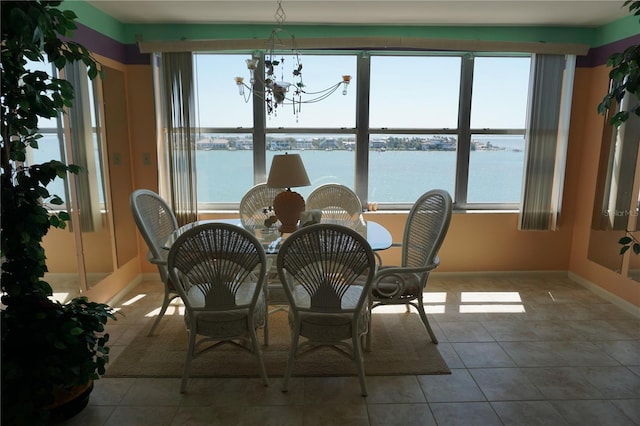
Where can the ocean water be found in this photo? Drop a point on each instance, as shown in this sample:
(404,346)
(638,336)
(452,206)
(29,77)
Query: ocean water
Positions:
(394,176)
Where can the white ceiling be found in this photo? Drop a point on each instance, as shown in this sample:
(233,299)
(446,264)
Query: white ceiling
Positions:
(583,13)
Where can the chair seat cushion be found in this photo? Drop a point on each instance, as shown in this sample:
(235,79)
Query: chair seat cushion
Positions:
(329,327)
(348,301)
(397,286)
(227,323)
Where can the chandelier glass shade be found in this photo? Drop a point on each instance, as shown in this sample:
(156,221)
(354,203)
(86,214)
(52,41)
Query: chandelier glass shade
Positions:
(281,82)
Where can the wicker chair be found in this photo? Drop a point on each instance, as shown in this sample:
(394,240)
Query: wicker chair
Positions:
(338,203)
(219,271)
(252,217)
(155,221)
(327,271)
(253,203)
(425,230)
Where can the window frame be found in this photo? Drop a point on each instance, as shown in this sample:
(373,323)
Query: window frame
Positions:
(363,132)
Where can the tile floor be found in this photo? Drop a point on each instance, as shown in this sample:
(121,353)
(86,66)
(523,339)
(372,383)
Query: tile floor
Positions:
(523,350)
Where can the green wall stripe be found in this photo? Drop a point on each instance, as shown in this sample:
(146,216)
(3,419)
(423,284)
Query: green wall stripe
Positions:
(157,32)
(129,33)
(618,30)
(97,20)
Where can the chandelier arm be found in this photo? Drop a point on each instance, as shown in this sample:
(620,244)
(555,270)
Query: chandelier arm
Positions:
(305,101)
(332,89)
(247,94)
(322,96)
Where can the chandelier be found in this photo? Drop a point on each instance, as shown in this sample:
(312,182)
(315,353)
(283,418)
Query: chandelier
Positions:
(273,87)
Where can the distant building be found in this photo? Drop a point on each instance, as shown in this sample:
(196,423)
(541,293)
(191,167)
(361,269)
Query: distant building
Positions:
(329,144)
(304,144)
(279,145)
(209,144)
(245,144)
(438,145)
(378,144)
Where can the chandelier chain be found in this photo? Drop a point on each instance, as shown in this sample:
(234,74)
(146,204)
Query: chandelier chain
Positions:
(280,15)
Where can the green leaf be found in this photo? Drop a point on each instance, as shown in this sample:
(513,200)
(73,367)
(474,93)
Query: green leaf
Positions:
(76,331)
(636,248)
(60,62)
(625,240)
(624,249)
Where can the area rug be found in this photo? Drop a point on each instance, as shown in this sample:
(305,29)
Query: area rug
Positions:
(400,346)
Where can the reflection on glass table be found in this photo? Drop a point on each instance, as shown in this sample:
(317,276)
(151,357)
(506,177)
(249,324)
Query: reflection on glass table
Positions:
(377,235)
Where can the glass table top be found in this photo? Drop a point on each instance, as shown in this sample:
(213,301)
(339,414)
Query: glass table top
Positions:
(378,237)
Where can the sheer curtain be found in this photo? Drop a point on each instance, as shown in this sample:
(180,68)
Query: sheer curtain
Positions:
(177,134)
(547,135)
(84,186)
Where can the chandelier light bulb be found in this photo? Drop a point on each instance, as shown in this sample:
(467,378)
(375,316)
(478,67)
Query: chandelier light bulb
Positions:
(240,83)
(345,83)
(252,64)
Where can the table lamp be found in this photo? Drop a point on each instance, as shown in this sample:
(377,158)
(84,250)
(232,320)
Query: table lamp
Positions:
(287,171)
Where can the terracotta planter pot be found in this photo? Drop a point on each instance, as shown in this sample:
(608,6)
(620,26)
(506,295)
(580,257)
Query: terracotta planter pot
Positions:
(69,402)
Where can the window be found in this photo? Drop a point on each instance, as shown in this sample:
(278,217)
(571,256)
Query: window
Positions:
(86,140)
(425,120)
(499,103)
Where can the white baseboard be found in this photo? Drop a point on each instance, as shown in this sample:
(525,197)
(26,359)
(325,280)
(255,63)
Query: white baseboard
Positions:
(610,297)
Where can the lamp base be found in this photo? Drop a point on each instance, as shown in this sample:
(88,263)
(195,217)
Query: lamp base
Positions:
(288,205)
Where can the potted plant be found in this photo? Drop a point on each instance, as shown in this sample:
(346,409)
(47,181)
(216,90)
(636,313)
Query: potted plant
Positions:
(47,347)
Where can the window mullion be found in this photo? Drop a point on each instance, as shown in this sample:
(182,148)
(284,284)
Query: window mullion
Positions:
(464,132)
(362,128)
(259,126)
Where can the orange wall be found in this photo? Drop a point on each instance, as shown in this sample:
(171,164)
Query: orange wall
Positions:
(483,242)
(143,136)
(586,131)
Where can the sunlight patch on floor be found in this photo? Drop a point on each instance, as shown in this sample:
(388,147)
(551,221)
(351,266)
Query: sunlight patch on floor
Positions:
(435,297)
(471,302)
(171,310)
(134,299)
(475,309)
(474,302)
(490,296)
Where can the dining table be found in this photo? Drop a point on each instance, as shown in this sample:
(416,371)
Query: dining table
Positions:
(378,237)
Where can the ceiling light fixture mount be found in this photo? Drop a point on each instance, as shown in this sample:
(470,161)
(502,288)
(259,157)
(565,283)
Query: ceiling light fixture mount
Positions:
(273,88)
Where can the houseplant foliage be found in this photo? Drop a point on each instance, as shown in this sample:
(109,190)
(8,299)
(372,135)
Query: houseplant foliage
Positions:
(46,345)
(624,77)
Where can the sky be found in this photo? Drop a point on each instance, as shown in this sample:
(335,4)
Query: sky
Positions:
(406,91)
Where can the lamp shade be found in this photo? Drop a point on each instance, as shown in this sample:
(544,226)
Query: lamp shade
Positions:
(287,171)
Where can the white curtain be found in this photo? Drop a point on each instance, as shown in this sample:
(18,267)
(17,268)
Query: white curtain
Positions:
(551,89)
(80,151)
(177,137)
